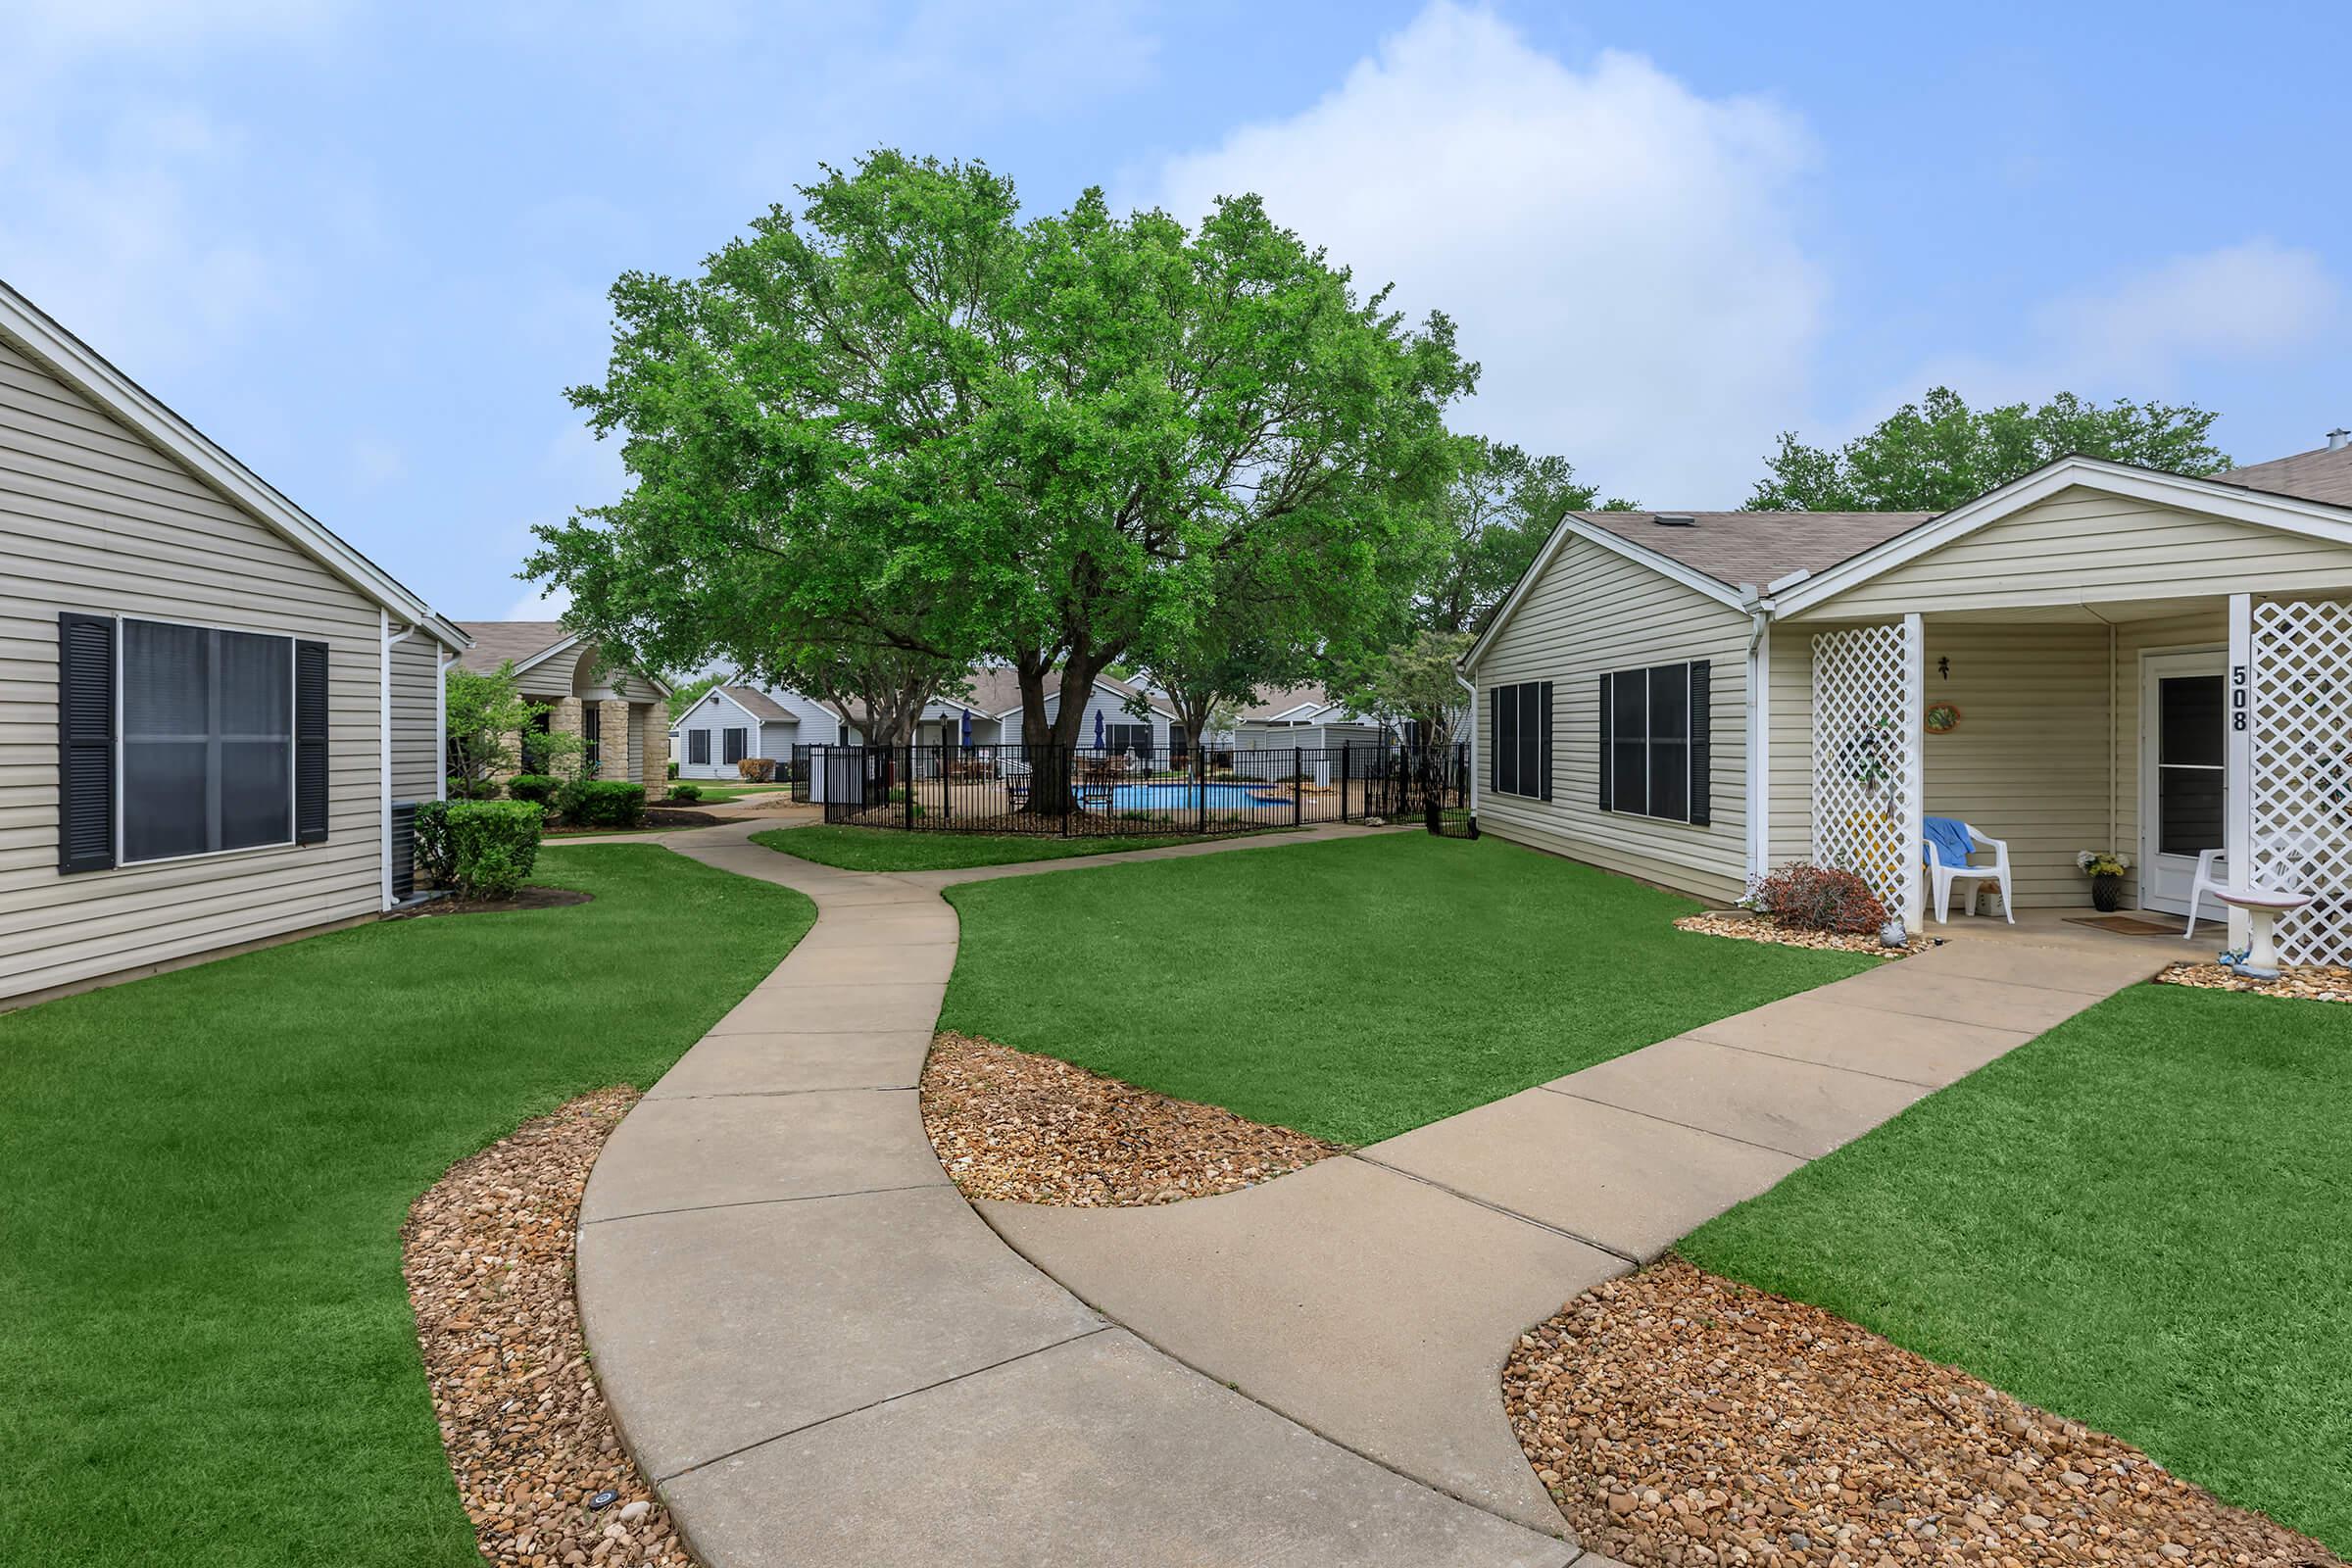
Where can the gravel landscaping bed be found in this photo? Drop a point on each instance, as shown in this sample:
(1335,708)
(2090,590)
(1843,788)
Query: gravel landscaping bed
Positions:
(1677,1418)
(1745,928)
(1034,1129)
(2319,982)
(487,1253)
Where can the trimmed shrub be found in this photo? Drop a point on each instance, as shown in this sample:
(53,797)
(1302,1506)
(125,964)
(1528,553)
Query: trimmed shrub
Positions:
(686,793)
(1817,898)
(431,851)
(674,771)
(537,788)
(757,769)
(493,846)
(602,802)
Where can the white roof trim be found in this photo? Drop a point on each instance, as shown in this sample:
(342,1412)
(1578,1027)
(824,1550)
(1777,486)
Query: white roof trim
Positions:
(81,367)
(720,693)
(2311,519)
(571,640)
(1577,528)
(1099,685)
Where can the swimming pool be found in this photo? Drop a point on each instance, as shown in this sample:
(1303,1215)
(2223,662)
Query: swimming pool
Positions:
(1186,796)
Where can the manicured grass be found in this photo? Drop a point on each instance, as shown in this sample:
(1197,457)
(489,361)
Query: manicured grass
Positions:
(2138,1221)
(208,1355)
(1353,989)
(878,849)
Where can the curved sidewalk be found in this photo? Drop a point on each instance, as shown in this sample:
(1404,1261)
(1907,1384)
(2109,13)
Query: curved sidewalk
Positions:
(822,1356)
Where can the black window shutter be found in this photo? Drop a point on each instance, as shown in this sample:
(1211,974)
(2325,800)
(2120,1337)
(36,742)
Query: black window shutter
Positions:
(1543,753)
(310,743)
(1702,736)
(1608,768)
(86,743)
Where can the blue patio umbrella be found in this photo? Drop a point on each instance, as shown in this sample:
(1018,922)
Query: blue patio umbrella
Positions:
(967,726)
(1098,729)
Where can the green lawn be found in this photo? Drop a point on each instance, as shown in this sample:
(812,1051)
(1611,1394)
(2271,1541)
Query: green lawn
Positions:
(2141,1220)
(879,848)
(204,1342)
(713,794)
(1353,989)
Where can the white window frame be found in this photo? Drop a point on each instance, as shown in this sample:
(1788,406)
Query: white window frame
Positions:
(744,731)
(123,740)
(703,735)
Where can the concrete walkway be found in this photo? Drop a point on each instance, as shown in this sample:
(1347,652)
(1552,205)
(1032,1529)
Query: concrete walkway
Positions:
(1374,1297)
(824,1358)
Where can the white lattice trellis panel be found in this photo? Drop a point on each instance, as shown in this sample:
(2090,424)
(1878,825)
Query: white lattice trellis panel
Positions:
(2301,771)
(1861,759)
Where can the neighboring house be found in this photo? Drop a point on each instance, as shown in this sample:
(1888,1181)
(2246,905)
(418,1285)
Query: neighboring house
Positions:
(619,712)
(1304,716)
(2107,656)
(732,723)
(995,707)
(215,705)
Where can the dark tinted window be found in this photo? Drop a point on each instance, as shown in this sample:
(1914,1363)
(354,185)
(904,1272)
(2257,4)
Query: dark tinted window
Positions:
(208,740)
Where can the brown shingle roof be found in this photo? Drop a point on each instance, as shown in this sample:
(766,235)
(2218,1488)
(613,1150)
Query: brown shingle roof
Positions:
(760,706)
(1276,701)
(1757,547)
(500,642)
(2316,475)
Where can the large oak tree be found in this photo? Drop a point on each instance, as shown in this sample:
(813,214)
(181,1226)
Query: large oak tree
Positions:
(907,420)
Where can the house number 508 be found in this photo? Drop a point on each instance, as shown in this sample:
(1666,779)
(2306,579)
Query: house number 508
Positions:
(2238,697)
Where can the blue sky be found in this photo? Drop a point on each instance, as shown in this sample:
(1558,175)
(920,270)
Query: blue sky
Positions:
(365,247)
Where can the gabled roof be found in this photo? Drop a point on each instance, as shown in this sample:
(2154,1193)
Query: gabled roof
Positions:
(525,643)
(996,691)
(762,706)
(2321,474)
(1756,547)
(521,643)
(83,368)
(1285,702)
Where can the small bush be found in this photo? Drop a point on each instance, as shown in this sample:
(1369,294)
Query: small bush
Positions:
(686,794)
(461,788)
(674,771)
(600,803)
(537,788)
(1817,898)
(483,849)
(757,769)
(432,856)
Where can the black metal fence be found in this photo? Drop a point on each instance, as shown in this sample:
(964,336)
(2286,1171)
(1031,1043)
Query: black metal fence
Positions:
(1073,792)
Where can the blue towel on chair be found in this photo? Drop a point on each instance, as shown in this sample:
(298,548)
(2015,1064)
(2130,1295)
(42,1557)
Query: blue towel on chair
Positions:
(1953,841)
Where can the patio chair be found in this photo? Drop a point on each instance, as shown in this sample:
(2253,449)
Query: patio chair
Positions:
(1940,876)
(2213,876)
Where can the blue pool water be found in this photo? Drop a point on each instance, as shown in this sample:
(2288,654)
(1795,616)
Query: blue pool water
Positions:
(1185,796)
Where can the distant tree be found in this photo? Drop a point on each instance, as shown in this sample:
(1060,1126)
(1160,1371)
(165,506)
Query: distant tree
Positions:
(1934,455)
(1416,680)
(877,688)
(688,693)
(485,718)
(1501,507)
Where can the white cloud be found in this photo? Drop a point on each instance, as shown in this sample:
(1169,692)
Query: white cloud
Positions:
(1620,252)
(2145,333)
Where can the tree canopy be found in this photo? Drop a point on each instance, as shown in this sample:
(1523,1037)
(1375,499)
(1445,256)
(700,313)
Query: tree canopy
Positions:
(1935,455)
(904,420)
(1500,509)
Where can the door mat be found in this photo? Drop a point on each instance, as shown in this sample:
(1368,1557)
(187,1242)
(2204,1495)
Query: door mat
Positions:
(2124,925)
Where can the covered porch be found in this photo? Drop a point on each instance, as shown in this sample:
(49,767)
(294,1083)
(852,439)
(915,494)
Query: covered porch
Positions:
(2158,728)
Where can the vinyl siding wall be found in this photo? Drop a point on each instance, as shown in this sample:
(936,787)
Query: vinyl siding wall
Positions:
(1593,612)
(94,519)
(416,718)
(2086,547)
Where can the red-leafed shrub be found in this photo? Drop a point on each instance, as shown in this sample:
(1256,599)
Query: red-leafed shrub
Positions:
(1818,897)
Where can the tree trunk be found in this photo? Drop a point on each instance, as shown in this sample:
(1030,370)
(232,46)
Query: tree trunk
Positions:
(1051,747)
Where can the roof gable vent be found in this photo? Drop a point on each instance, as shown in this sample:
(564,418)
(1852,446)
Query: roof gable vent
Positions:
(1675,520)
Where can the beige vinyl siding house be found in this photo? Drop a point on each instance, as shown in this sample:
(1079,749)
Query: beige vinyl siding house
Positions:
(115,512)
(621,713)
(2113,658)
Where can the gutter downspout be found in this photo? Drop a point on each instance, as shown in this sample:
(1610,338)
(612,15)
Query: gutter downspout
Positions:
(441,725)
(384,620)
(1464,682)
(1759,734)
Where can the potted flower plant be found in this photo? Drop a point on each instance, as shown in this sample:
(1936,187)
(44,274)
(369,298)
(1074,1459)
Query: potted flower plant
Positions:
(2105,868)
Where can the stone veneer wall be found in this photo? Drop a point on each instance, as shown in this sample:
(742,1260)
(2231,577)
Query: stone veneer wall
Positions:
(615,743)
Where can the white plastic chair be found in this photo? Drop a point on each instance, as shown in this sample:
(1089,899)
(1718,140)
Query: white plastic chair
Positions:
(1942,876)
(2213,876)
